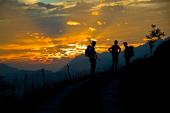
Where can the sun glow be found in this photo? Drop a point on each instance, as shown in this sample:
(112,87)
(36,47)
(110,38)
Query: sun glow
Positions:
(28,1)
(38,48)
(92,29)
(95,13)
(73,23)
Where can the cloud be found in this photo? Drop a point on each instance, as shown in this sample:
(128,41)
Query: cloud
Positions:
(6,1)
(28,1)
(22,18)
(73,23)
(69,24)
(47,6)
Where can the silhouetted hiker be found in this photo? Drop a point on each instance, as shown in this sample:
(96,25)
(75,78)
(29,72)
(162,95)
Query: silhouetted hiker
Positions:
(115,50)
(128,53)
(91,53)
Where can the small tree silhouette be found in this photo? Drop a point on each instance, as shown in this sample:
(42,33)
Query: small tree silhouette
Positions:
(154,35)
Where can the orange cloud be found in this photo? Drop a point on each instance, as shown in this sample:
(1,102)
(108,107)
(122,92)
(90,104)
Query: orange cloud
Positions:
(73,23)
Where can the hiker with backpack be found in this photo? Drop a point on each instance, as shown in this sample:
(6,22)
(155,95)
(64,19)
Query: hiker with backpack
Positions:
(115,50)
(128,53)
(91,53)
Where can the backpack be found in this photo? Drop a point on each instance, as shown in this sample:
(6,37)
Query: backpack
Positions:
(131,51)
(88,51)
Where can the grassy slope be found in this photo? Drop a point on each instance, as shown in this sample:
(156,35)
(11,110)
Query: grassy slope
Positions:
(146,87)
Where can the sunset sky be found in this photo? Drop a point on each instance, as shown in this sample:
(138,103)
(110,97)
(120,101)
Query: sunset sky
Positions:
(53,32)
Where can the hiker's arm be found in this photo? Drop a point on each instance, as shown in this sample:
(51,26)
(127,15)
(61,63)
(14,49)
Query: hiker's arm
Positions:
(119,49)
(110,49)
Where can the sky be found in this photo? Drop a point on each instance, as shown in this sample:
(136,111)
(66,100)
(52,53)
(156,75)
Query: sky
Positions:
(53,32)
(51,1)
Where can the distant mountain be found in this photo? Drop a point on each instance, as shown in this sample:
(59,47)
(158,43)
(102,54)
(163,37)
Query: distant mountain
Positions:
(7,69)
(11,74)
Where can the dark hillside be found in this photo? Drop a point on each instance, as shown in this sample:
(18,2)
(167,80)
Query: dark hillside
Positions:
(146,86)
(142,87)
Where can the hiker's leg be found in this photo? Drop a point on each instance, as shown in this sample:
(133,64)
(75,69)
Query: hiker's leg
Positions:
(127,61)
(113,62)
(116,62)
(93,66)
(93,70)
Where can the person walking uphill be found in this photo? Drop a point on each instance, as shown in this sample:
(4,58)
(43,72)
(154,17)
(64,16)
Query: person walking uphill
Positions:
(128,53)
(91,53)
(115,50)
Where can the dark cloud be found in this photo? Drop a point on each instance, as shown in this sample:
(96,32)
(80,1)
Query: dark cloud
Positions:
(47,6)
(17,19)
(10,8)
(8,1)
(51,19)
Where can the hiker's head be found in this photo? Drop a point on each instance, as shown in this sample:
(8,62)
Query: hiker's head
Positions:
(115,42)
(125,44)
(93,43)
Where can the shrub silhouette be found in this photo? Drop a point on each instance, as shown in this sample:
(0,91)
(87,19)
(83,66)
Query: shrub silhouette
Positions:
(154,35)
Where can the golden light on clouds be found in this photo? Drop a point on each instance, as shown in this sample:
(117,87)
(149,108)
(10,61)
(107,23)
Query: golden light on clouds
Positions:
(95,13)
(38,48)
(73,23)
(101,1)
(41,35)
(28,1)
(92,29)
(100,23)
